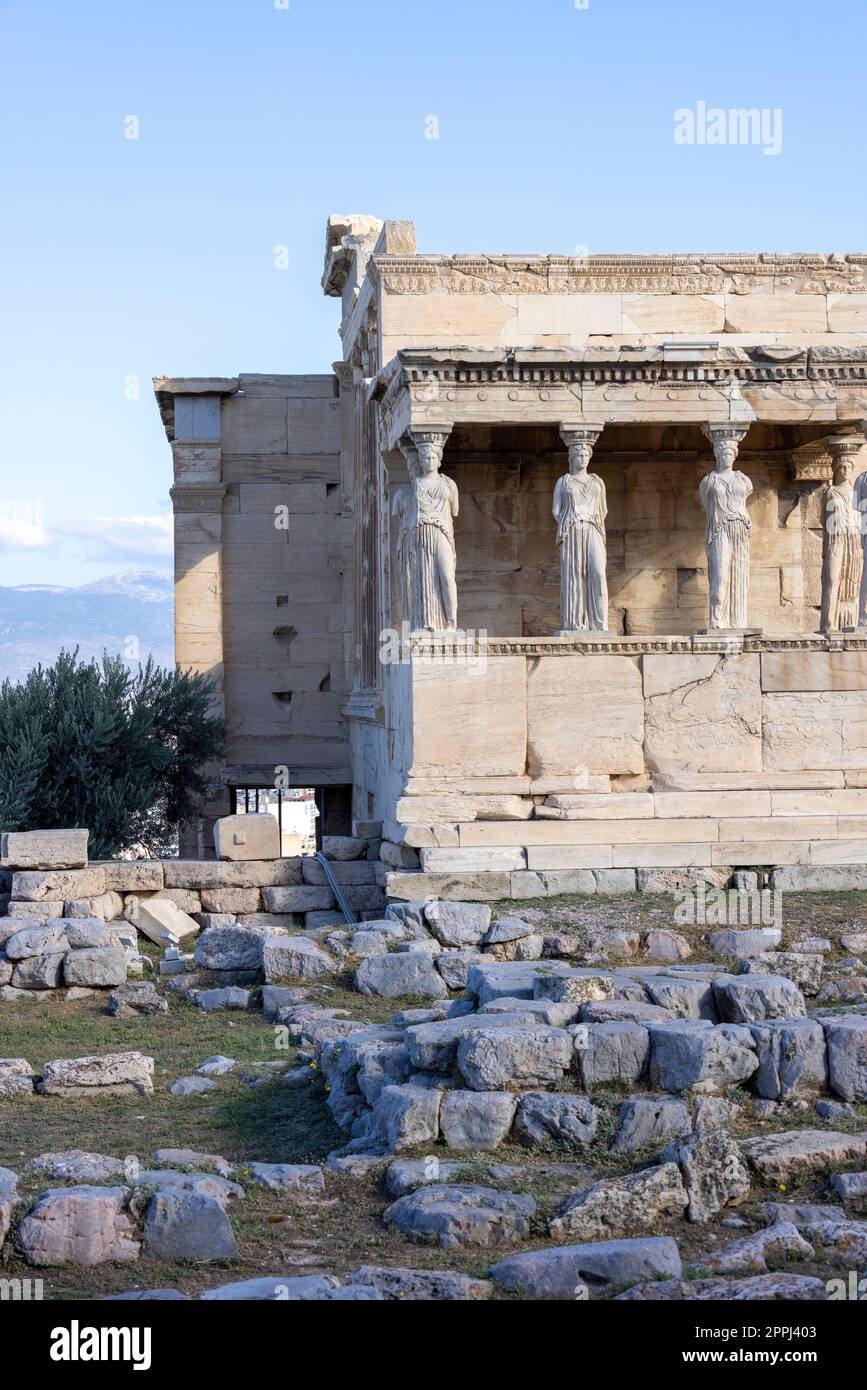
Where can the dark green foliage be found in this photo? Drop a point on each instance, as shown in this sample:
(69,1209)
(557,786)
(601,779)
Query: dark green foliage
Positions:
(94,745)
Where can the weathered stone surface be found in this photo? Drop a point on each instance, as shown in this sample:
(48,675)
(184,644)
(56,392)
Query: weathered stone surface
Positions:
(297,898)
(95,967)
(191,1158)
(434,1046)
(694,1054)
(801,1214)
(230,947)
(622,1011)
(367,943)
(508,929)
(714,1173)
(231,901)
(78,1225)
(852,1189)
(556,1120)
(89,932)
(495,1059)
(647,1121)
(212,1001)
(564,733)
(792,1058)
(805,971)
(665,945)
(218,1065)
(286,957)
(183,1225)
(159,919)
(454,966)
(743,944)
(703,713)
(114,1073)
(458,924)
(38,972)
(76,1165)
(759,1253)
(133,875)
(785,1288)
(600,1265)
(136,997)
(611,1052)
(251,836)
(399,974)
(406,1116)
(471,1120)
(191,1086)
(280,1288)
(684,998)
(44,849)
(781,1157)
(532,1011)
(430,1285)
(58,883)
(843,1241)
(462,1216)
(847,1056)
(572,988)
(751,998)
(304,1178)
(615,1207)
(43,940)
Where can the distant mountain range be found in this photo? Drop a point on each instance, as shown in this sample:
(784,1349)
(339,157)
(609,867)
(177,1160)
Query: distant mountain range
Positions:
(129,614)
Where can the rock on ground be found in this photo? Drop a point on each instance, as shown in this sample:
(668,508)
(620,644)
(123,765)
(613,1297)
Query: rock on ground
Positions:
(560,1272)
(78,1225)
(615,1207)
(182,1225)
(462,1215)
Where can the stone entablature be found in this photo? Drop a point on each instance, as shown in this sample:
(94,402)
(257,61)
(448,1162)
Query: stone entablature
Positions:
(427,388)
(679,274)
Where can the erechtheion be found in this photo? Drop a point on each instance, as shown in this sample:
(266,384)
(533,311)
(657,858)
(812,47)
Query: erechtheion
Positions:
(556,574)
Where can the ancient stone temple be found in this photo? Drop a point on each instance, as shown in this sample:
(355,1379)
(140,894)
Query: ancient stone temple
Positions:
(557,575)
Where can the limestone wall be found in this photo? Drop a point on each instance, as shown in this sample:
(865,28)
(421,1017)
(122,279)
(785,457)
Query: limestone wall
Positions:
(525,769)
(283,586)
(561,301)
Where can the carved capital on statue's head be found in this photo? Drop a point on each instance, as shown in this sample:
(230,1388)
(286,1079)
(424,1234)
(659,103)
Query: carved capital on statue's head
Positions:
(429,447)
(725,439)
(845,451)
(580,440)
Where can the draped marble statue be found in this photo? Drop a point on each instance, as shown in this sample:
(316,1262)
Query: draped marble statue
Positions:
(724,494)
(580,508)
(426,508)
(841,540)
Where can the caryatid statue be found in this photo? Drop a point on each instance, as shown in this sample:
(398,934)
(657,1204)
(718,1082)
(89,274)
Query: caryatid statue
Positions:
(426,508)
(580,508)
(724,494)
(841,539)
(860,496)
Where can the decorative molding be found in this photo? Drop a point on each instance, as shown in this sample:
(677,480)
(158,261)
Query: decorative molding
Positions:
(434,647)
(703,274)
(198,497)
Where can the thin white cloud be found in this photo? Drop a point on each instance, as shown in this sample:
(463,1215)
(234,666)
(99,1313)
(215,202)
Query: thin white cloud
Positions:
(127,538)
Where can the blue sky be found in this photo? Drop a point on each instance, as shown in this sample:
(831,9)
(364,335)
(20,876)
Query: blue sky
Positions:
(123,259)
